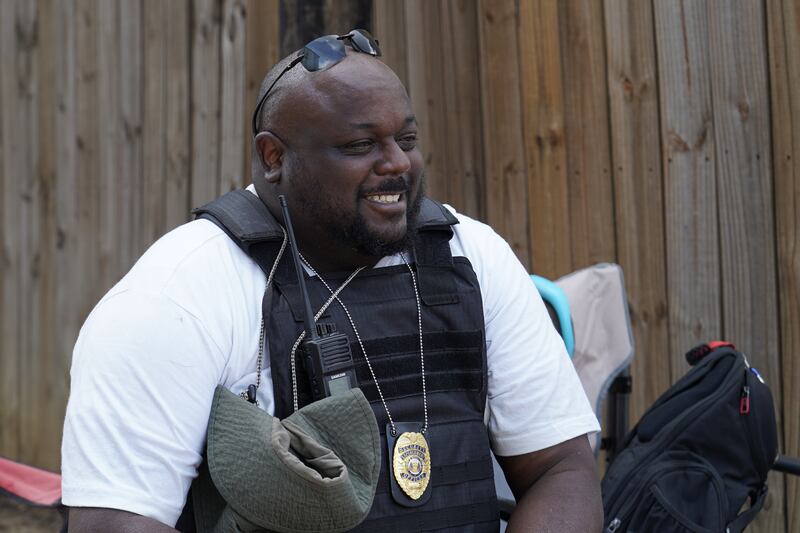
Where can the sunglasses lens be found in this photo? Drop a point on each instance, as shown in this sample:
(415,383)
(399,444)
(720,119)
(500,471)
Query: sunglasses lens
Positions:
(322,53)
(364,42)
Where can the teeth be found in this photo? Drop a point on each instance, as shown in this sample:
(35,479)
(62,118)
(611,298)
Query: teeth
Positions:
(385,198)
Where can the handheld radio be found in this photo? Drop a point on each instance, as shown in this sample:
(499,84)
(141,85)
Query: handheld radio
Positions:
(328,359)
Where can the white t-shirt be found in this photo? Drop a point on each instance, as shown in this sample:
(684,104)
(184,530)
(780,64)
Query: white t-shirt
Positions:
(186,318)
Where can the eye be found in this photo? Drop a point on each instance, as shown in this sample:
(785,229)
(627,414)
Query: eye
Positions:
(358,147)
(407,142)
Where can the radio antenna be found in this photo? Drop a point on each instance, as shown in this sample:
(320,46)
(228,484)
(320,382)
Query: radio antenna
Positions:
(311,330)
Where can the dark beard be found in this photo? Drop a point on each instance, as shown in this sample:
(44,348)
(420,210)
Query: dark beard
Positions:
(354,233)
(362,239)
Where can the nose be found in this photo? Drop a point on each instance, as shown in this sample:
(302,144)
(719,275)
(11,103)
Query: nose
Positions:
(394,160)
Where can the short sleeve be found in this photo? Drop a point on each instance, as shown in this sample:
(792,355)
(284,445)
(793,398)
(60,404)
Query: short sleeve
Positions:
(535,398)
(142,380)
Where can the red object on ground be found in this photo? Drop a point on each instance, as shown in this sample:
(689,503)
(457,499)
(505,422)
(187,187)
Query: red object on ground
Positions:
(33,485)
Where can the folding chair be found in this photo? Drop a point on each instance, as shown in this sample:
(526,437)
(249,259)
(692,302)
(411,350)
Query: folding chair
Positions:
(589,308)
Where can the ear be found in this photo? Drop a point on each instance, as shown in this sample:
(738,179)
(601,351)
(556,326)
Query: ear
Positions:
(270,149)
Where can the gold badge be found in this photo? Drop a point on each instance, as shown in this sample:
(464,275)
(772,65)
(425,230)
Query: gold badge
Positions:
(412,464)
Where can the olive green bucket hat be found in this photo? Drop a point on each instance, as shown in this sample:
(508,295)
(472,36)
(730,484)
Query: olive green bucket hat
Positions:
(315,470)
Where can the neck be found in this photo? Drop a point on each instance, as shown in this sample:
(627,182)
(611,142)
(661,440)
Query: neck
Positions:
(328,257)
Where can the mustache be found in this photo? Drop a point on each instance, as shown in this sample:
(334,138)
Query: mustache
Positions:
(389,185)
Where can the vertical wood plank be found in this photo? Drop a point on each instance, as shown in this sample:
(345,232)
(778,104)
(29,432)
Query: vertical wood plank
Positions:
(205,87)
(41,369)
(232,93)
(425,85)
(638,186)
(10,318)
(178,115)
(545,147)
(504,153)
(463,129)
(109,143)
(341,16)
(744,192)
(155,109)
(389,22)
(128,179)
(88,161)
(690,196)
(307,20)
(165,117)
(68,278)
(783,31)
(262,43)
(26,171)
(588,152)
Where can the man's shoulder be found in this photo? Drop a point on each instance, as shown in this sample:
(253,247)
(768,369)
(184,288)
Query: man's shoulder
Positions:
(471,238)
(194,253)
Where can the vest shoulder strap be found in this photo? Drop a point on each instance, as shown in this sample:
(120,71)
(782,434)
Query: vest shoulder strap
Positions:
(243,217)
(248,222)
(434,216)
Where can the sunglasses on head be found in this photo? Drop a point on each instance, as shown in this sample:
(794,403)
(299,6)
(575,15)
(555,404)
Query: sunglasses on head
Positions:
(321,53)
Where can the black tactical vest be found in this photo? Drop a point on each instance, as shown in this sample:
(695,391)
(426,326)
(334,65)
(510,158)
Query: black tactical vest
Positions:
(383,307)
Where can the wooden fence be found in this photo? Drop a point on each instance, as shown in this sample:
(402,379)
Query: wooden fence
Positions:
(663,135)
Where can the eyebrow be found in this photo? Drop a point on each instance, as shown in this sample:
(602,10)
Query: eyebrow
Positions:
(370,125)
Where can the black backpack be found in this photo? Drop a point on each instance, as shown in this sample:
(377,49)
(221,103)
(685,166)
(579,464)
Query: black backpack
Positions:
(698,453)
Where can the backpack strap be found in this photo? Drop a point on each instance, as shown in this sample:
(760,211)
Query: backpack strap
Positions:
(740,522)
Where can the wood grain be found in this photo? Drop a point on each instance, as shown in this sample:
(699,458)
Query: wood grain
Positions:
(591,194)
(10,316)
(545,143)
(155,109)
(504,153)
(64,298)
(40,367)
(128,181)
(738,61)
(261,49)
(232,93)
(389,22)
(639,207)
(690,194)
(425,86)
(109,145)
(783,32)
(462,122)
(205,91)
(178,115)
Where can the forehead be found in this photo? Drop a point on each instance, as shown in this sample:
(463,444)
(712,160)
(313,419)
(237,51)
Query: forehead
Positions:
(360,89)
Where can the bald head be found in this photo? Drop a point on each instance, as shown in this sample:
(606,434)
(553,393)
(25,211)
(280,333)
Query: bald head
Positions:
(298,89)
(341,145)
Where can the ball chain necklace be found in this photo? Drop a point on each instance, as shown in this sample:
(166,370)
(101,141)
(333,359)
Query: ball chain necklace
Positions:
(411,462)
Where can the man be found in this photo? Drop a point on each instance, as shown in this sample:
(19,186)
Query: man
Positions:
(455,344)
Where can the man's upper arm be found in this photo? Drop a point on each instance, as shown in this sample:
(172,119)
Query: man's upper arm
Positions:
(535,399)
(143,376)
(98,520)
(557,488)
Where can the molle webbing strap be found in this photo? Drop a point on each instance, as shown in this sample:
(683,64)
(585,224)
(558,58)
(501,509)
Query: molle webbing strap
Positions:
(451,474)
(248,222)
(432,254)
(452,519)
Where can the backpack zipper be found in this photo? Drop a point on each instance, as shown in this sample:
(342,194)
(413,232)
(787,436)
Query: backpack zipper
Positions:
(672,464)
